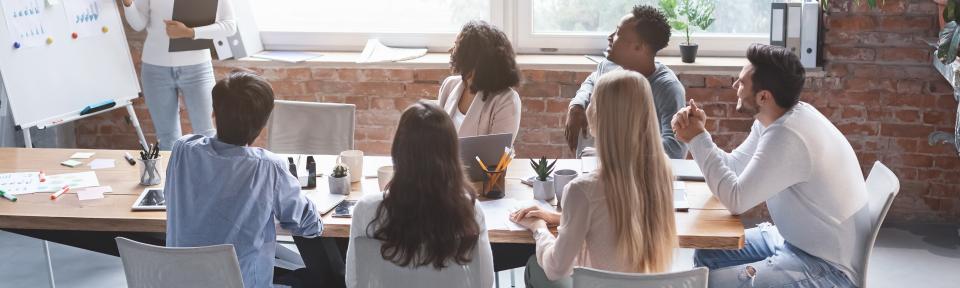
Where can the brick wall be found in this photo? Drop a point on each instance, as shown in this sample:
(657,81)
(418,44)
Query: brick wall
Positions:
(878,87)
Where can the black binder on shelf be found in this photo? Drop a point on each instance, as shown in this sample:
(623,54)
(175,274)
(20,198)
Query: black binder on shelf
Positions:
(193,13)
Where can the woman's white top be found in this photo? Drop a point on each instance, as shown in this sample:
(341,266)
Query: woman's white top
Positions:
(150,14)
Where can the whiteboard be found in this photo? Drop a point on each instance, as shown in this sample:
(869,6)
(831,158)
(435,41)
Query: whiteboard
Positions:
(52,83)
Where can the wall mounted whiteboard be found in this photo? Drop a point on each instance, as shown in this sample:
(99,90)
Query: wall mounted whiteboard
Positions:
(50,83)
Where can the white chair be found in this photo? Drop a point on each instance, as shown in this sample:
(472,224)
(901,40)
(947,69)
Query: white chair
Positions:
(588,278)
(375,272)
(310,128)
(882,187)
(154,266)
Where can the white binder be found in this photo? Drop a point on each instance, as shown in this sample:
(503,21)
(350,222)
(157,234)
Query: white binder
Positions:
(810,34)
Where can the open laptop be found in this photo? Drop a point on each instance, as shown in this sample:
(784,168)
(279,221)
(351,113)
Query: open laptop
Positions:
(686,170)
(488,147)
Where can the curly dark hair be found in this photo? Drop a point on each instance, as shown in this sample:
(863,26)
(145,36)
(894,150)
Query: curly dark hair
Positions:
(484,51)
(777,70)
(651,26)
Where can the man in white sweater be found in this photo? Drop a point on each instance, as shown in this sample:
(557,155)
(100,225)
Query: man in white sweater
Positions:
(797,162)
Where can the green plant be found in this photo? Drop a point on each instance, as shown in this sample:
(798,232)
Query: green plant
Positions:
(542,168)
(339,171)
(950,34)
(687,14)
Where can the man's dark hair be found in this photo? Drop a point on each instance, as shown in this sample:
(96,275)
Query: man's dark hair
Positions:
(484,51)
(242,103)
(651,27)
(777,70)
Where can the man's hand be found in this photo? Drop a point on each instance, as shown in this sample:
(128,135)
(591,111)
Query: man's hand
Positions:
(177,30)
(689,122)
(576,125)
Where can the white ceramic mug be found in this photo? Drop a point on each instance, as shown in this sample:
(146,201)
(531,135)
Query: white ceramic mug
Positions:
(384,175)
(354,161)
(560,179)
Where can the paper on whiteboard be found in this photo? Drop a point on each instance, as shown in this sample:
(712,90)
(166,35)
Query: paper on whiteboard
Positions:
(83,17)
(25,22)
(74,180)
(376,52)
(19,183)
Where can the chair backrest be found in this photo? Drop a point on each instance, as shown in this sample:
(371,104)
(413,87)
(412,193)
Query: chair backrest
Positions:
(882,188)
(311,128)
(588,278)
(375,272)
(154,266)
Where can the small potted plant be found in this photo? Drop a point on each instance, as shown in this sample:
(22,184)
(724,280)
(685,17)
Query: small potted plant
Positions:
(340,180)
(543,184)
(685,15)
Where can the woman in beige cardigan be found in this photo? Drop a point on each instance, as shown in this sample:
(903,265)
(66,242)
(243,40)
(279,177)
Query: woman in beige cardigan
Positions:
(619,218)
(480,98)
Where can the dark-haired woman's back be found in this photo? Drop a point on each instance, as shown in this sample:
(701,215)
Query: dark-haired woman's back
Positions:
(367,268)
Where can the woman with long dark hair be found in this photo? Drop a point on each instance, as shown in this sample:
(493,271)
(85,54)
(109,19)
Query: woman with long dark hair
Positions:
(428,217)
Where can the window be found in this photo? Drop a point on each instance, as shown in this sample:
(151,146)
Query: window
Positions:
(582,26)
(346,25)
(535,26)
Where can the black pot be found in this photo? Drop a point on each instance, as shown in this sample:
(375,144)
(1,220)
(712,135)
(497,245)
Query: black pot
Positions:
(688,53)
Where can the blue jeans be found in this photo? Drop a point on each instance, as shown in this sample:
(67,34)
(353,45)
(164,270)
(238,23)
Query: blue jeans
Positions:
(160,89)
(766,260)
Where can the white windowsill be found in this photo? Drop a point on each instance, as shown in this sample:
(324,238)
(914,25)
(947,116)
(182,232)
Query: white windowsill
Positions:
(575,63)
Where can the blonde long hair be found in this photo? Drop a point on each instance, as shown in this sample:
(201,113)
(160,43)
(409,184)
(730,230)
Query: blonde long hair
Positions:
(634,170)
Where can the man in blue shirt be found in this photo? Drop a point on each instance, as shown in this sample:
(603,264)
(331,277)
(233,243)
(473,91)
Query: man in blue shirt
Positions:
(223,191)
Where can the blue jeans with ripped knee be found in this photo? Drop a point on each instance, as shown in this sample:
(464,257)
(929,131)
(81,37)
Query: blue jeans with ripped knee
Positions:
(766,260)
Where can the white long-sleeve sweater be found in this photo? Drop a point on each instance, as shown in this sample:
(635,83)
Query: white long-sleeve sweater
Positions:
(809,176)
(150,14)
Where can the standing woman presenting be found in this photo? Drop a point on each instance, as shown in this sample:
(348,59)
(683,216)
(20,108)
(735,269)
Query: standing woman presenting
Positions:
(164,73)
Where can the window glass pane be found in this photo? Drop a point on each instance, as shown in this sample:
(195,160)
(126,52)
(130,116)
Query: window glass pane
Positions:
(403,16)
(601,17)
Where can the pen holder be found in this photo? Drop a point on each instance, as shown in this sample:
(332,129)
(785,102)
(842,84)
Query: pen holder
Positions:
(493,184)
(149,172)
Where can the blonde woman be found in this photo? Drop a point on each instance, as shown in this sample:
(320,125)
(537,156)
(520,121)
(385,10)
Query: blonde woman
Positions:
(621,217)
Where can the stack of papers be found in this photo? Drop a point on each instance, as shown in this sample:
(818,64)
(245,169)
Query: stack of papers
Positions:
(496,213)
(376,52)
(287,56)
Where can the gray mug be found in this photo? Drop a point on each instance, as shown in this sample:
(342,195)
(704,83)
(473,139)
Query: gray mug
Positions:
(560,179)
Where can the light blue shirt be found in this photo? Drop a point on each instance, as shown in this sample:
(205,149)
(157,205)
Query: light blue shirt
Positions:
(218,193)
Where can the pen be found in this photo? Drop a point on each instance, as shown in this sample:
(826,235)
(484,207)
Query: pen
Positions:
(62,190)
(129,158)
(43,176)
(8,196)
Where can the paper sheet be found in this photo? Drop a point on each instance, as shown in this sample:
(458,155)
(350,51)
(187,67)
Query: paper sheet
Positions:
(82,155)
(100,189)
(287,56)
(25,22)
(102,164)
(376,52)
(83,17)
(496,213)
(19,183)
(84,195)
(74,180)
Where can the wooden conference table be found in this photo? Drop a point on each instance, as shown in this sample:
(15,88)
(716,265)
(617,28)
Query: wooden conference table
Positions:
(707,225)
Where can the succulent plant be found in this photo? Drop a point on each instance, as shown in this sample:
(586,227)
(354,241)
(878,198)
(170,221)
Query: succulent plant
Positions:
(542,168)
(339,171)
